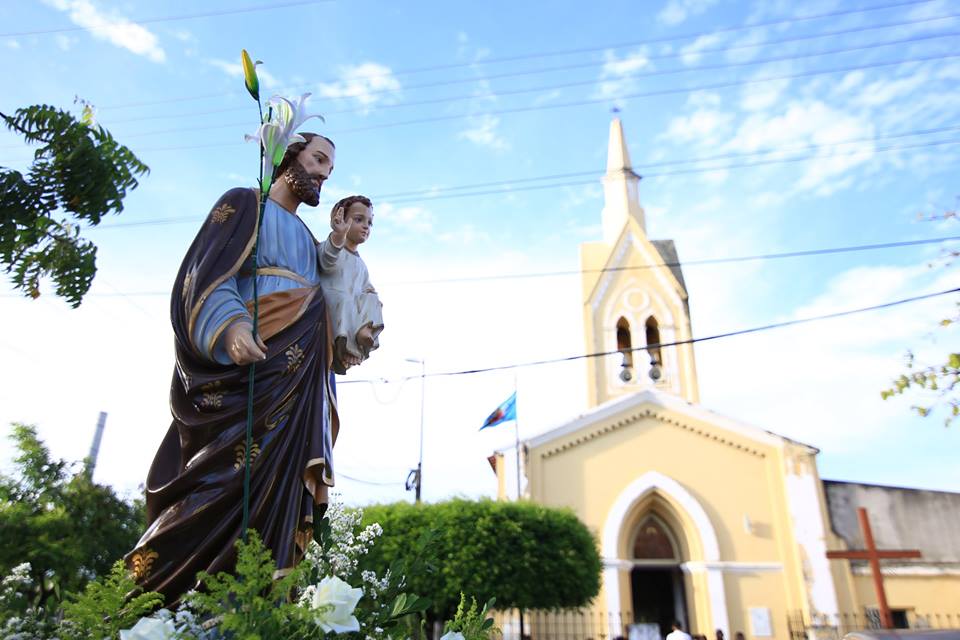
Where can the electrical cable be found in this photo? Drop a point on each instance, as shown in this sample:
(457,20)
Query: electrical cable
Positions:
(680,264)
(647,94)
(189,16)
(689,69)
(594,49)
(665,163)
(370,482)
(718,336)
(428,195)
(676,172)
(556,105)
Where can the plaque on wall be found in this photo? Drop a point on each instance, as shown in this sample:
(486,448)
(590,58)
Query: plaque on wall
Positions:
(760,624)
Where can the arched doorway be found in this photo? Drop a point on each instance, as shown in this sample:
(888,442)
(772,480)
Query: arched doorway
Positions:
(656,580)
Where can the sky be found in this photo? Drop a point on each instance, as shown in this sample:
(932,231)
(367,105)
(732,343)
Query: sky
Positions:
(758,127)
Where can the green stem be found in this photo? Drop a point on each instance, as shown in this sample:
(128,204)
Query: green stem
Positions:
(251,372)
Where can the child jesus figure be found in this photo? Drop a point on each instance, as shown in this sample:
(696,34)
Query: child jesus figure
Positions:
(355,311)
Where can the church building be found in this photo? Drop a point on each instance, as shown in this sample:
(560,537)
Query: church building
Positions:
(699,517)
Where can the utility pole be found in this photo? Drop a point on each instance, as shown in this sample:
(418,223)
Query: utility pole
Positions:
(95,445)
(418,474)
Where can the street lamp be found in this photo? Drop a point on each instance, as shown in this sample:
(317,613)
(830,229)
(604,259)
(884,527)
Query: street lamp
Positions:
(418,473)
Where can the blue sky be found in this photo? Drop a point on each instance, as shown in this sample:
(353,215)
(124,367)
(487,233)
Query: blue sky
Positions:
(848,147)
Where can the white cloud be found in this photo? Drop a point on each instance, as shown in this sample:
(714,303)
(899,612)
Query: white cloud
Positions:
(881,92)
(113,29)
(756,97)
(368,83)
(65,42)
(482,131)
(677,11)
(464,235)
(615,76)
(405,217)
(692,52)
(235,70)
(10,43)
(840,364)
(705,125)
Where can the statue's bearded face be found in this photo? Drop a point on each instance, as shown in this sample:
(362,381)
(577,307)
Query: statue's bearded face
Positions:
(306,174)
(303,185)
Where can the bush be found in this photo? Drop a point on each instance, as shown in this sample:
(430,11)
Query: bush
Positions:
(524,555)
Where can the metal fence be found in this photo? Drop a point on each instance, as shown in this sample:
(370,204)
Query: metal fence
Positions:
(833,627)
(563,624)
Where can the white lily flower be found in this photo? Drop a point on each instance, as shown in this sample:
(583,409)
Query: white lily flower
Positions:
(279,131)
(452,635)
(333,603)
(150,629)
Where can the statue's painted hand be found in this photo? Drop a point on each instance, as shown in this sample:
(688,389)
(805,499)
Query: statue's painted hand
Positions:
(340,225)
(241,345)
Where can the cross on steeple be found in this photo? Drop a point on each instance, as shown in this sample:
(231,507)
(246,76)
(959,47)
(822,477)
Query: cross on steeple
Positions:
(874,555)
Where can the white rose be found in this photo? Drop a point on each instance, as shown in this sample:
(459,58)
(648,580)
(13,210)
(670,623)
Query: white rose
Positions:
(334,601)
(150,629)
(452,635)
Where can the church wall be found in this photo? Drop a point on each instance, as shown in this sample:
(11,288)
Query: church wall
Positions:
(730,475)
(920,594)
(748,590)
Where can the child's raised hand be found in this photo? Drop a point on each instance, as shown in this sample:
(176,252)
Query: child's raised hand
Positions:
(339,224)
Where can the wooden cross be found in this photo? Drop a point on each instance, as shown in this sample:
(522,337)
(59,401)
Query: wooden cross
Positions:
(874,555)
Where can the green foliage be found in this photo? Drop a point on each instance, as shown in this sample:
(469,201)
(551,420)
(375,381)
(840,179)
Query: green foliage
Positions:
(522,554)
(249,604)
(67,527)
(940,383)
(104,608)
(79,169)
(472,624)
(388,608)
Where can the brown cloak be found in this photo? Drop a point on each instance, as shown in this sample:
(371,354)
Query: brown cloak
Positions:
(194,488)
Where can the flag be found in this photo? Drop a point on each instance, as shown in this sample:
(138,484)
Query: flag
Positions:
(506,411)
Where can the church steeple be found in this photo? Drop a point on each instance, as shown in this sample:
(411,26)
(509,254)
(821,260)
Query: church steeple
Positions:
(635,301)
(621,199)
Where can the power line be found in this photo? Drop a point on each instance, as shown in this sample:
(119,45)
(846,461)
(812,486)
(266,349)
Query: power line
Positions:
(547,54)
(690,263)
(582,65)
(675,172)
(723,156)
(556,105)
(686,263)
(428,195)
(718,336)
(175,18)
(370,482)
(648,94)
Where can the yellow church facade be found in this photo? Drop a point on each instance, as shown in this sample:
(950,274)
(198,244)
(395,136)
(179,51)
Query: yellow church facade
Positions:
(699,517)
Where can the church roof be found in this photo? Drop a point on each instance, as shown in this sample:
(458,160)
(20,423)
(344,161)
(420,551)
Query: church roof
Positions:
(668,251)
(900,518)
(666,401)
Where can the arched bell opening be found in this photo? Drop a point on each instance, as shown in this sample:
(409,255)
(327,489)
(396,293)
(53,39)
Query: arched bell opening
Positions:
(624,342)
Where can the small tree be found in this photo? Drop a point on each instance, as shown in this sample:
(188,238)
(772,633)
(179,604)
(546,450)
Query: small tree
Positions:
(78,170)
(939,383)
(67,527)
(525,555)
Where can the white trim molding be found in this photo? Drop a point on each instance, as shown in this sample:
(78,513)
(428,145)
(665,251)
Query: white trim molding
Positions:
(654,481)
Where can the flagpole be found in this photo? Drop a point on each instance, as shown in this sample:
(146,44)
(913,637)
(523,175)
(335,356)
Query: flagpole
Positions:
(516,426)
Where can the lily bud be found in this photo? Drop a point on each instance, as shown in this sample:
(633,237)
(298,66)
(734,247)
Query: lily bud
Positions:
(250,75)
